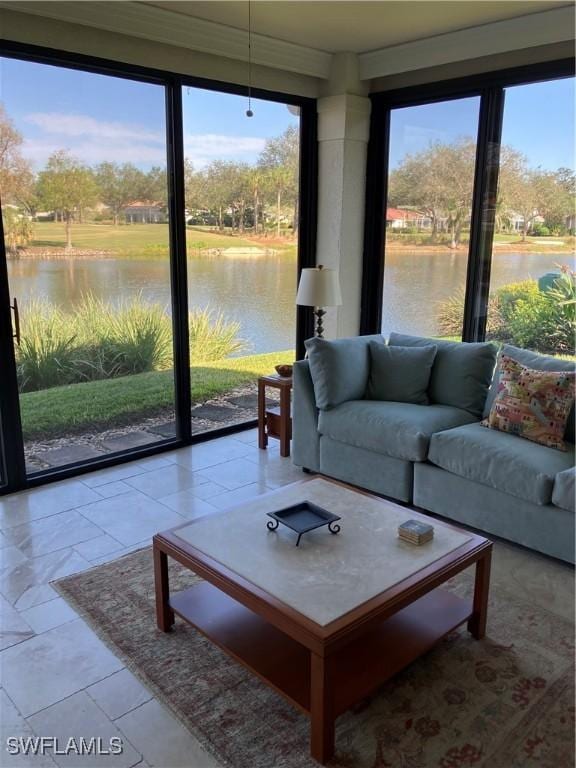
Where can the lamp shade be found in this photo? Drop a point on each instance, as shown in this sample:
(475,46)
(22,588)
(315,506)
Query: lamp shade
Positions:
(319,287)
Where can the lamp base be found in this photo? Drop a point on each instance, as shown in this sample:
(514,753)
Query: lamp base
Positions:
(319,312)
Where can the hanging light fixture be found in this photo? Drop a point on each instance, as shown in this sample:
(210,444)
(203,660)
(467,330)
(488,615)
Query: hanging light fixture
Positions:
(249,112)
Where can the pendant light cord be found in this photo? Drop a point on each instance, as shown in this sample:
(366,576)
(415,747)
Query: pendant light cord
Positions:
(249,112)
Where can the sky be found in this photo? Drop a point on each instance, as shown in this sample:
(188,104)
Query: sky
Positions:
(98,118)
(538,121)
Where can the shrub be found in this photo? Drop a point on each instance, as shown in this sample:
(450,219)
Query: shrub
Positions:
(522,315)
(212,337)
(540,230)
(98,340)
(46,351)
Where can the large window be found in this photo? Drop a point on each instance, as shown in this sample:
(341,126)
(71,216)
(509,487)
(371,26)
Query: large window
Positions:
(474,238)
(149,257)
(430,183)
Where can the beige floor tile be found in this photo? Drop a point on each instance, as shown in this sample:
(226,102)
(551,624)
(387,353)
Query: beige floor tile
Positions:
(50,667)
(162,740)
(14,628)
(234,473)
(96,548)
(79,717)
(232,498)
(14,726)
(131,518)
(202,455)
(112,489)
(11,556)
(167,480)
(40,537)
(155,462)
(118,694)
(27,584)
(112,474)
(187,504)
(19,508)
(49,615)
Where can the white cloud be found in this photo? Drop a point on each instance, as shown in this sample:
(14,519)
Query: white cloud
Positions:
(202,148)
(84,125)
(93,152)
(94,141)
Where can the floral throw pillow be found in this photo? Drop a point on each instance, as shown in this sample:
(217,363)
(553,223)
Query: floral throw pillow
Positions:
(532,404)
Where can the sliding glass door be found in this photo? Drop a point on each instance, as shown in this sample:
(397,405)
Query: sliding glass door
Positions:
(242,193)
(86,235)
(151,242)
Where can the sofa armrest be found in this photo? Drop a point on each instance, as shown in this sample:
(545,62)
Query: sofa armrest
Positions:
(305,437)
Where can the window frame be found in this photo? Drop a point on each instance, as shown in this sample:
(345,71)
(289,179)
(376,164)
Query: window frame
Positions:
(490,88)
(13,475)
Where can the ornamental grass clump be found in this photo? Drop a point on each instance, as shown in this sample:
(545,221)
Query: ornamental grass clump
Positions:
(100,340)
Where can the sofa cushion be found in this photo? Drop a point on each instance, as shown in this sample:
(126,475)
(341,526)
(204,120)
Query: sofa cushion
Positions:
(539,363)
(401,430)
(461,373)
(339,368)
(400,374)
(564,492)
(502,461)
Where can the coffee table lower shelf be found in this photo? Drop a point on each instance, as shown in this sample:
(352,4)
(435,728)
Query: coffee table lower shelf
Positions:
(284,664)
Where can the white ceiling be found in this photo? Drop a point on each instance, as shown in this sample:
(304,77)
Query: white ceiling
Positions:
(360,26)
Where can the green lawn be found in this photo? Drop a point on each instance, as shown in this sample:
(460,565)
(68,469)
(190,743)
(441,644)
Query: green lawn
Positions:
(131,240)
(99,405)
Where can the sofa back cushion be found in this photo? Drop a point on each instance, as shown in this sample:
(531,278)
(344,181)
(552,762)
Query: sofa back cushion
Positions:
(461,373)
(339,368)
(400,374)
(539,363)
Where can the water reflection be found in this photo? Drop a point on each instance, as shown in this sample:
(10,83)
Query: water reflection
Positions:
(259,292)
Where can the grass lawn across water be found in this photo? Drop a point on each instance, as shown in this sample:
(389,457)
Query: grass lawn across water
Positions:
(137,241)
(99,405)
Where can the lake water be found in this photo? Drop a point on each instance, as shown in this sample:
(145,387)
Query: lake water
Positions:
(259,292)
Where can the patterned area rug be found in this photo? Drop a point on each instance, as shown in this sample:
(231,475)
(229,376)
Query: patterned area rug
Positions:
(504,702)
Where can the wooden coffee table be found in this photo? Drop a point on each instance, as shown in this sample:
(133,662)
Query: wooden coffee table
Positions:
(326,623)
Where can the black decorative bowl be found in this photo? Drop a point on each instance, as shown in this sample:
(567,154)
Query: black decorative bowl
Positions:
(302,518)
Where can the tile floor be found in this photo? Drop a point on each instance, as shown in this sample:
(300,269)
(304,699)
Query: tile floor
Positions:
(57,677)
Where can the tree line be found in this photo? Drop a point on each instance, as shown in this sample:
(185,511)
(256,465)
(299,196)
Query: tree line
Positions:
(224,193)
(438,182)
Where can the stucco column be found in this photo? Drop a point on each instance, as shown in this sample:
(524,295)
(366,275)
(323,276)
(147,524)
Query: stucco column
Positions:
(343,128)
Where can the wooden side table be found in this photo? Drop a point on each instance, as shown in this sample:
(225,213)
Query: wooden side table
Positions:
(275,422)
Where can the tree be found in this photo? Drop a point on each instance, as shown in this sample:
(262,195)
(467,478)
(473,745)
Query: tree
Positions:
(16,182)
(155,185)
(119,185)
(437,181)
(16,177)
(280,162)
(67,186)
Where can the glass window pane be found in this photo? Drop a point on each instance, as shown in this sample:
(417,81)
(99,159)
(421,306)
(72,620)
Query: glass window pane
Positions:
(431,176)
(242,217)
(532,292)
(84,196)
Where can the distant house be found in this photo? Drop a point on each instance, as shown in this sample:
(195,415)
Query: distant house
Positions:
(400,218)
(145,212)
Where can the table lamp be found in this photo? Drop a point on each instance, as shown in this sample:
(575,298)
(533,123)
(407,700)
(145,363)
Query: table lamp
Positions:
(319,288)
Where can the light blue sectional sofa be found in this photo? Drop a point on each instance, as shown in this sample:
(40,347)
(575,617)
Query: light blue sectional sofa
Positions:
(435,456)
